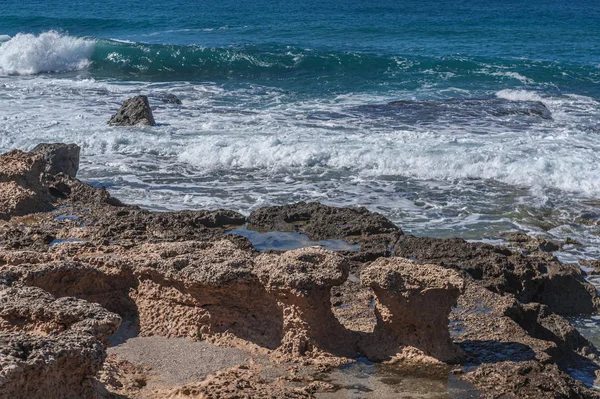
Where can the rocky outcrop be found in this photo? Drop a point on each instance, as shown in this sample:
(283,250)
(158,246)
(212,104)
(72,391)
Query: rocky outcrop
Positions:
(66,274)
(59,158)
(519,350)
(134,111)
(537,277)
(413,304)
(301,281)
(21,184)
(203,290)
(36,312)
(50,347)
(375,234)
(50,367)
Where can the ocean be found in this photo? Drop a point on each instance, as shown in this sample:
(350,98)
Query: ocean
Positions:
(495,125)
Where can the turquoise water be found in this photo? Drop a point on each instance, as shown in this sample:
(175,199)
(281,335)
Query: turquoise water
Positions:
(497,127)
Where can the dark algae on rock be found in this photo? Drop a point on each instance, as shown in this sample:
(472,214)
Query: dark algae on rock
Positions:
(81,273)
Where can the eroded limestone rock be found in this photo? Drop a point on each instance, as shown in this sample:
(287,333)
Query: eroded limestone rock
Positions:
(538,277)
(50,367)
(202,290)
(21,187)
(36,312)
(301,280)
(413,304)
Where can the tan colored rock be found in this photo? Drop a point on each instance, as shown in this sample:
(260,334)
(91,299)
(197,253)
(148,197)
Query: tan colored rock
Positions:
(203,290)
(412,308)
(51,367)
(21,188)
(301,280)
(36,312)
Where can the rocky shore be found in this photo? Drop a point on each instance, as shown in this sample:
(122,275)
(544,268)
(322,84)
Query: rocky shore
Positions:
(83,275)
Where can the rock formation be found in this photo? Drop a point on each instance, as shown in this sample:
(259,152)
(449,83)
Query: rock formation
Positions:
(134,111)
(413,304)
(74,261)
(59,158)
(301,281)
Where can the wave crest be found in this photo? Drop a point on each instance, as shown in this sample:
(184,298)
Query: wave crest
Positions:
(28,54)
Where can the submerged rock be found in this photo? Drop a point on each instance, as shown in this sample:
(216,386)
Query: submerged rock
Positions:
(170,99)
(134,111)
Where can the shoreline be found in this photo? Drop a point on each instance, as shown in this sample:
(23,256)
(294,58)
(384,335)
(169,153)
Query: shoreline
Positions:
(490,316)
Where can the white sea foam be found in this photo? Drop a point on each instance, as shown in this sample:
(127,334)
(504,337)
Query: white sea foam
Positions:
(252,146)
(27,54)
(4,38)
(519,95)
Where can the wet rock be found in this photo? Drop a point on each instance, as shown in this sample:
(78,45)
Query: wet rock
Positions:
(592,264)
(528,379)
(134,111)
(321,222)
(537,277)
(170,99)
(522,240)
(51,367)
(301,280)
(375,233)
(506,342)
(59,158)
(412,308)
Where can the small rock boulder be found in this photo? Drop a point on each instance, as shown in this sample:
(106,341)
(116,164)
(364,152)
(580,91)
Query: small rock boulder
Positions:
(134,111)
(170,99)
(59,158)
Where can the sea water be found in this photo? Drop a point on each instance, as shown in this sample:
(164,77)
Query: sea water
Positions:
(497,126)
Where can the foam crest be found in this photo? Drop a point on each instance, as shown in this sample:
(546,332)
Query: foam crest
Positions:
(518,95)
(27,54)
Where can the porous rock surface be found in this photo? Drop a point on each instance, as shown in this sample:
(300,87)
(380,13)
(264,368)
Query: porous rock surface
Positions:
(59,158)
(537,277)
(68,276)
(412,308)
(301,281)
(134,111)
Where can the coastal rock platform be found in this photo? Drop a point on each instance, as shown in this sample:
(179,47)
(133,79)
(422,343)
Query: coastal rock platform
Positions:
(99,299)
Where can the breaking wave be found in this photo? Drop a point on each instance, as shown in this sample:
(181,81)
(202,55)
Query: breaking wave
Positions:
(28,54)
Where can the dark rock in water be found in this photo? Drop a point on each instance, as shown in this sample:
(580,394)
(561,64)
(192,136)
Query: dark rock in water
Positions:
(134,111)
(459,109)
(374,232)
(321,222)
(59,158)
(170,99)
(522,240)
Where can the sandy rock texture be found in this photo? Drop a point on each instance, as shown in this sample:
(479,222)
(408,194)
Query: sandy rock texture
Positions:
(74,262)
(413,304)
